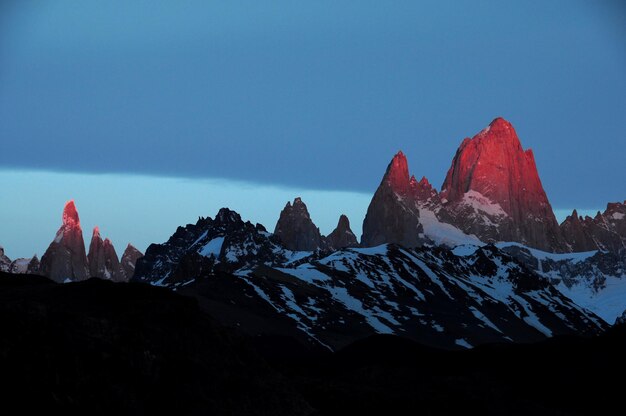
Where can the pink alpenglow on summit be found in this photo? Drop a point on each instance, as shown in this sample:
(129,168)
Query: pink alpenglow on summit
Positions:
(393,214)
(493,190)
(65,258)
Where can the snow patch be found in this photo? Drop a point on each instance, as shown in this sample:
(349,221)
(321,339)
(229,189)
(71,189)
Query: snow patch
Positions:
(306,273)
(608,302)
(461,342)
(212,248)
(372,251)
(443,233)
(480,202)
(544,255)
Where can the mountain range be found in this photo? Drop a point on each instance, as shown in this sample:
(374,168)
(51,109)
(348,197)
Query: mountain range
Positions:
(482,260)
(66,259)
(468,299)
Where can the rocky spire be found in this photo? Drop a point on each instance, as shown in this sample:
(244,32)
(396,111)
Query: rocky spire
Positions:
(606,231)
(5,262)
(296,230)
(103,260)
(129,261)
(493,190)
(95,256)
(342,236)
(65,258)
(424,193)
(393,213)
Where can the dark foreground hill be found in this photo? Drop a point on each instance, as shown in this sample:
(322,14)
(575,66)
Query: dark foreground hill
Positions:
(97,347)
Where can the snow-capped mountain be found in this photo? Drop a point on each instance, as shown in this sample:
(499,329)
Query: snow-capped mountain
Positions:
(458,267)
(246,279)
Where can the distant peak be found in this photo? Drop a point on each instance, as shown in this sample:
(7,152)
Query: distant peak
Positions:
(70,215)
(96,232)
(227,215)
(130,249)
(344,222)
(424,181)
(298,200)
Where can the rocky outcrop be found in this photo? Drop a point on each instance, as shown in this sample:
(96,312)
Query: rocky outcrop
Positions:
(393,213)
(129,261)
(342,236)
(65,258)
(493,190)
(103,260)
(606,231)
(5,262)
(424,193)
(224,244)
(20,265)
(296,230)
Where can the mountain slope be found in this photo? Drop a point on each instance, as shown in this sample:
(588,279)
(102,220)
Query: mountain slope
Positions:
(243,277)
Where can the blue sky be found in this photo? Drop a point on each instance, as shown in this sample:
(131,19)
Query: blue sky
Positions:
(296,97)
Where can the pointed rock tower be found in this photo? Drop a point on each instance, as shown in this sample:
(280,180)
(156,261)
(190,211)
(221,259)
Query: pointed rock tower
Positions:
(65,258)
(493,190)
(296,230)
(393,213)
(342,236)
(95,257)
(129,261)
(5,262)
(103,260)
(606,231)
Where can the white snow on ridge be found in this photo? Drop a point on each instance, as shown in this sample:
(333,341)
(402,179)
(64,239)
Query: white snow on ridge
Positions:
(199,238)
(443,233)
(482,317)
(544,255)
(461,342)
(371,251)
(465,250)
(341,294)
(608,302)
(213,247)
(481,203)
(306,272)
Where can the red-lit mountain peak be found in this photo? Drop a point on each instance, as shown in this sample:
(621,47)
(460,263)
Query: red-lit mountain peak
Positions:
(491,172)
(397,174)
(70,215)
